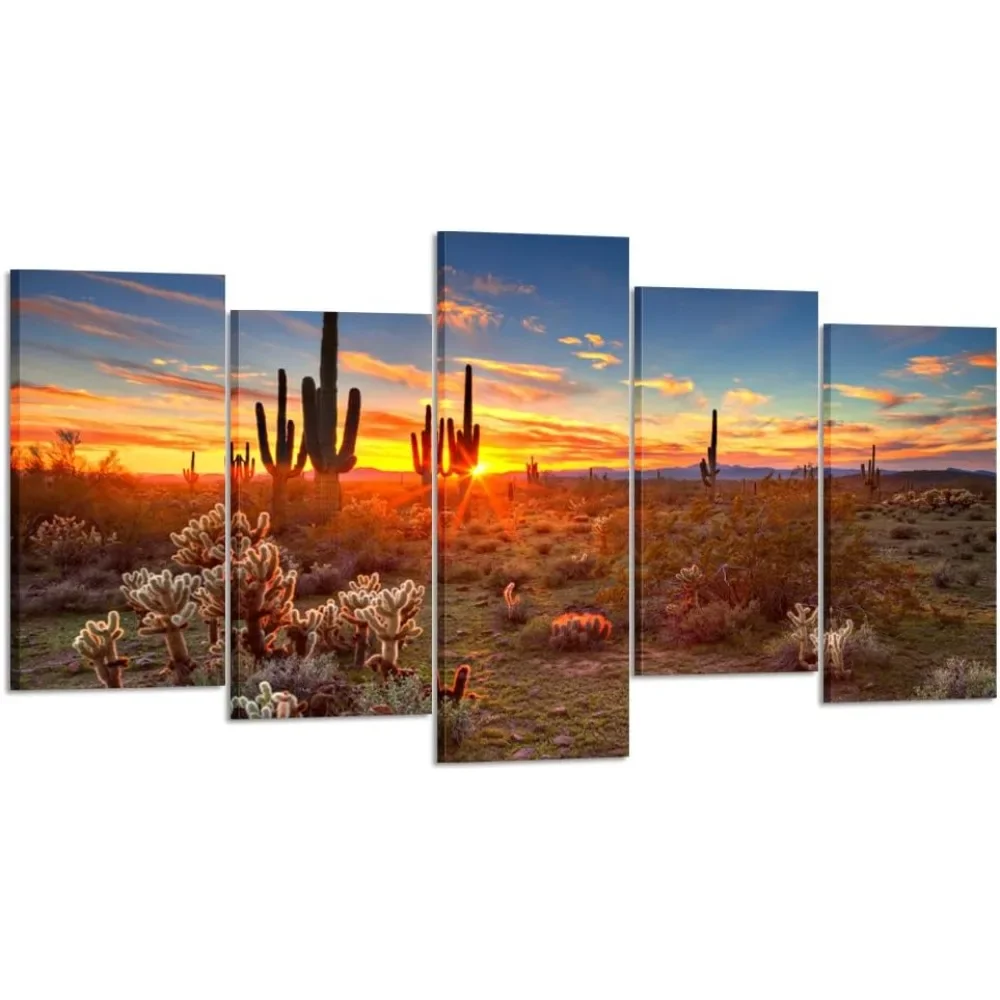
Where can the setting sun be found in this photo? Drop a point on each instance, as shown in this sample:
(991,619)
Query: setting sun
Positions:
(479,470)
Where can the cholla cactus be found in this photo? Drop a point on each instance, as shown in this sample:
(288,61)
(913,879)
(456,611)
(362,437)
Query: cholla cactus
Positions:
(330,629)
(202,543)
(264,595)
(579,630)
(268,704)
(359,595)
(210,596)
(691,579)
(301,629)
(390,616)
(167,606)
(836,646)
(511,600)
(599,529)
(68,541)
(96,643)
(804,623)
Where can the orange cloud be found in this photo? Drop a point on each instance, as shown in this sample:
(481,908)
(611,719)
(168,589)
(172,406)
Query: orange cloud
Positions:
(570,340)
(465,315)
(91,319)
(141,375)
(533,324)
(886,398)
(668,385)
(365,364)
(594,339)
(541,373)
(160,293)
(745,397)
(928,365)
(983,360)
(22,392)
(487,284)
(600,360)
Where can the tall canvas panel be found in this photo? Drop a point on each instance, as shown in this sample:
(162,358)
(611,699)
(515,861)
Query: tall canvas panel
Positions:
(909,513)
(726,487)
(117,447)
(331,484)
(533,497)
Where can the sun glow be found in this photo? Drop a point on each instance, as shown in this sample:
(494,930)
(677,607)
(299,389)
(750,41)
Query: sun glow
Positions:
(479,470)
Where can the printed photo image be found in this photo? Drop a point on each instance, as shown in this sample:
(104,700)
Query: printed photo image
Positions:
(910,513)
(118,453)
(726,488)
(331,477)
(533,493)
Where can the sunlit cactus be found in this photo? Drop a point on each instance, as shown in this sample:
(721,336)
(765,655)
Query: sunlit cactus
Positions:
(280,465)
(390,616)
(511,600)
(691,580)
(709,467)
(96,643)
(804,623)
(463,445)
(190,476)
(210,596)
(268,704)
(579,630)
(359,595)
(167,604)
(331,630)
(319,409)
(264,595)
(459,687)
(301,629)
(836,647)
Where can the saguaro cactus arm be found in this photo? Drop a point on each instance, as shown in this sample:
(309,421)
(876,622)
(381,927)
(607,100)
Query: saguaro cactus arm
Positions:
(710,468)
(280,463)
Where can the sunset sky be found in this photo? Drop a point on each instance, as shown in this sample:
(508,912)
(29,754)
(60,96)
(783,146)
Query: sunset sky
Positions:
(543,320)
(133,362)
(925,396)
(385,355)
(751,355)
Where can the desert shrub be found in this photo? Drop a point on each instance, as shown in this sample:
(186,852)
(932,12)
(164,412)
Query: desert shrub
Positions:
(865,649)
(864,515)
(967,537)
(966,556)
(904,531)
(475,528)
(960,678)
(542,528)
(568,569)
(924,549)
(323,580)
(69,596)
(298,676)
(399,696)
(68,541)
(535,635)
(942,577)
(515,571)
(980,547)
(462,572)
(712,622)
(456,722)
(371,558)
(486,547)
(417,522)
(458,543)
(543,548)
(977,514)
(971,576)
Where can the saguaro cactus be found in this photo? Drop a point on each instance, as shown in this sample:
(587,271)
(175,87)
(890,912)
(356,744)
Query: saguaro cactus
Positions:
(279,465)
(190,476)
(423,457)
(871,474)
(710,468)
(463,447)
(319,409)
(531,469)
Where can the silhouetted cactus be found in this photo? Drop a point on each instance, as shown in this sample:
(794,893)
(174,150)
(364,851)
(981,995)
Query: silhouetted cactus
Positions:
(279,465)
(710,468)
(319,409)
(423,457)
(190,476)
(872,475)
(531,470)
(463,447)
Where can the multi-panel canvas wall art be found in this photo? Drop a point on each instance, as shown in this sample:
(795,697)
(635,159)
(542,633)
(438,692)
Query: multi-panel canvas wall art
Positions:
(331,482)
(910,513)
(117,451)
(533,469)
(726,490)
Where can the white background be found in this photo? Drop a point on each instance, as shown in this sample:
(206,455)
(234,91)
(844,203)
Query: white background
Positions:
(755,844)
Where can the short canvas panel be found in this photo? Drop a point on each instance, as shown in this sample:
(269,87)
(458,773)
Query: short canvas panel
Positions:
(331,526)
(533,492)
(727,512)
(909,444)
(118,434)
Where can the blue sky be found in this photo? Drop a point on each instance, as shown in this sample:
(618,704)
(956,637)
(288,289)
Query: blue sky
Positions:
(543,320)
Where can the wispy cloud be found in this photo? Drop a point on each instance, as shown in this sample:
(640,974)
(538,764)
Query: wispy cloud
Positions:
(886,398)
(983,360)
(169,294)
(598,360)
(594,339)
(138,374)
(929,365)
(533,324)
(401,374)
(745,397)
(541,373)
(570,340)
(489,284)
(95,320)
(466,315)
(667,384)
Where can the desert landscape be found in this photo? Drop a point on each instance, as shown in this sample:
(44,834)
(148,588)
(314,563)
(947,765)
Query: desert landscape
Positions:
(910,537)
(117,449)
(332,514)
(533,446)
(726,488)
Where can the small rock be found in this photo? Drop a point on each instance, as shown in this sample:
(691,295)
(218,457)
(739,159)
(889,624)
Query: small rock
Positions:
(559,710)
(563,740)
(525,753)
(461,633)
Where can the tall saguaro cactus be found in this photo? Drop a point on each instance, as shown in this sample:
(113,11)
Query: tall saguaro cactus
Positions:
(463,446)
(710,468)
(423,457)
(279,465)
(531,471)
(319,408)
(190,476)
(871,474)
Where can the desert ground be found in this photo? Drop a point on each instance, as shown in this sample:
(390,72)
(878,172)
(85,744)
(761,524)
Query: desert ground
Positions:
(726,577)
(912,568)
(77,536)
(533,609)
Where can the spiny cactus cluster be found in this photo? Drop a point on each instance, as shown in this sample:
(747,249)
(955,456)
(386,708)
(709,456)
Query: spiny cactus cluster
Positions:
(934,499)
(390,616)
(836,642)
(68,541)
(268,704)
(691,580)
(579,630)
(96,643)
(804,621)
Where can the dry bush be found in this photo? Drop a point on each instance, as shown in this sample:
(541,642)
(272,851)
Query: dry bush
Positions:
(515,571)
(960,678)
(904,532)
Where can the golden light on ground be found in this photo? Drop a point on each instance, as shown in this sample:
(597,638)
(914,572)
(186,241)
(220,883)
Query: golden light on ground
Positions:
(479,470)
